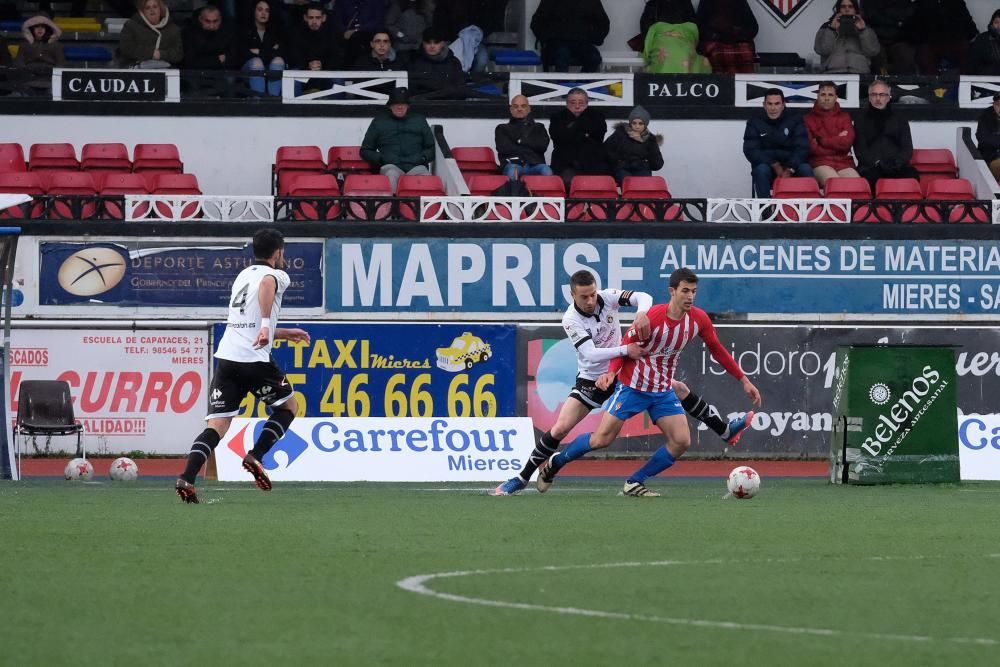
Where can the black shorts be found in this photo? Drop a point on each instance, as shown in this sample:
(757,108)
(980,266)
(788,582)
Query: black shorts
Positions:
(587,392)
(235,379)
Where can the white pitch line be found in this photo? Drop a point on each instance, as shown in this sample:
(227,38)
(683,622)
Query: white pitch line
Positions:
(418,584)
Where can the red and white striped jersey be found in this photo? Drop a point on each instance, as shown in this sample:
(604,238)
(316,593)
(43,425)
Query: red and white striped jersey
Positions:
(667,338)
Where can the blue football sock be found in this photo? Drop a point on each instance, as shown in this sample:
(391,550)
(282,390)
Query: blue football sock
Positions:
(657,463)
(579,447)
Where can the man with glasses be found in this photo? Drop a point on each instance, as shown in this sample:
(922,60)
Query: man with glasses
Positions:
(845,42)
(882,142)
(381,58)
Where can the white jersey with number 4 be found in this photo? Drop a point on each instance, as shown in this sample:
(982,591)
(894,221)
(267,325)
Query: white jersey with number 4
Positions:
(244,315)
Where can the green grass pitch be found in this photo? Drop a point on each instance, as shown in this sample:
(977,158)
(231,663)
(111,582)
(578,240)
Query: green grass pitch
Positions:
(406,574)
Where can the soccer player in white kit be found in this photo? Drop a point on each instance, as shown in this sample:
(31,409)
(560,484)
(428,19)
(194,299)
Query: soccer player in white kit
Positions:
(244,364)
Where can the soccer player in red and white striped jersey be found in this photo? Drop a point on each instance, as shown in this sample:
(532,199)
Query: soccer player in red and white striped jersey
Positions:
(645,386)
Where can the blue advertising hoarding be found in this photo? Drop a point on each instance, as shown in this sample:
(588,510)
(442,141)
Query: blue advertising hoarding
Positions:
(184,274)
(920,277)
(399,370)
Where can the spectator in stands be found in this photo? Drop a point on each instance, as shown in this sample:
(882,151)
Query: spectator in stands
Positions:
(846,43)
(382,56)
(315,47)
(988,136)
(570,32)
(260,47)
(889,18)
(664,11)
(882,141)
(470,22)
(632,149)
(940,31)
(727,29)
(208,44)
(40,52)
(522,142)
(984,54)
(406,21)
(150,40)
(578,139)
(359,20)
(831,135)
(673,49)
(434,70)
(399,141)
(776,143)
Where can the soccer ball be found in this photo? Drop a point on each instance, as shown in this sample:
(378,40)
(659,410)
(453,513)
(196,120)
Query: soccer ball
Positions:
(123,469)
(79,469)
(743,482)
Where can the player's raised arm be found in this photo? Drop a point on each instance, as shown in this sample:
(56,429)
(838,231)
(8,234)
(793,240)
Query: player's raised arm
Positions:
(265,297)
(642,302)
(293,334)
(721,354)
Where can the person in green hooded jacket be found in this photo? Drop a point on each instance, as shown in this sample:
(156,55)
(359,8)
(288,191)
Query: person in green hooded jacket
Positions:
(399,141)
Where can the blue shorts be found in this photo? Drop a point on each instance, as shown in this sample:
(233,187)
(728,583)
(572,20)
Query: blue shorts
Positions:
(627,402)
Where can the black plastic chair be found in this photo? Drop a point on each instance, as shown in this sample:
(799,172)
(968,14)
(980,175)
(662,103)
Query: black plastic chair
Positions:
(45,407)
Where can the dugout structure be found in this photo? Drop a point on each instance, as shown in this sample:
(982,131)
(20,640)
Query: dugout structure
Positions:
(894,415)
(8,251)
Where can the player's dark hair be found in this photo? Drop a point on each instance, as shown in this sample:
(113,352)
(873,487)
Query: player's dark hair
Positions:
(682,275)
(774,91)
(266,241)
(581,278)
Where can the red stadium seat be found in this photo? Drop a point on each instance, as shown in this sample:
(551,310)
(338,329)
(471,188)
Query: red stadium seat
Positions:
(798,187)
(417,186)
(12,158)
(544,186)
(105,157)
(50,157)
(26,183)
(295,158)
(157,157)
(646,188)
(176,184)
(114,184)
(475,158)
(318,187)
(75,184)
(483,185)
(853,188)
(347,160)
(371,186)
(900,188)
(590,188)
(955,189)
(933,163)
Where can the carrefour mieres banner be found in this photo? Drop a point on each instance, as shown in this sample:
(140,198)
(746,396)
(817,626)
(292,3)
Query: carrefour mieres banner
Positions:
(399,370)
(410,277)
(384,450)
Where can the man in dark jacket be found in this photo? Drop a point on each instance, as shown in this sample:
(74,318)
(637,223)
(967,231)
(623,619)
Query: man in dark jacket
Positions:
(988,136)
(207,43)
(776,143)
(570,32)
(890,20)
(435,71)
(315,46)
(399,141)
(382,56)
(882,141)
(984,54)
(578,139)
(521,142)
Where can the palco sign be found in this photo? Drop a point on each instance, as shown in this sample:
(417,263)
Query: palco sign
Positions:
(684,90)
(112,85)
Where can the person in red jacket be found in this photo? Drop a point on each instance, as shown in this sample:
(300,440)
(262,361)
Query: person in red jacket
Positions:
(831,134)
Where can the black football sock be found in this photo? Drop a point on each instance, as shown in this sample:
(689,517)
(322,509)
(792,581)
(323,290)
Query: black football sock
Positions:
(696,406)
(200,450)
(544,448)
(274,429)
